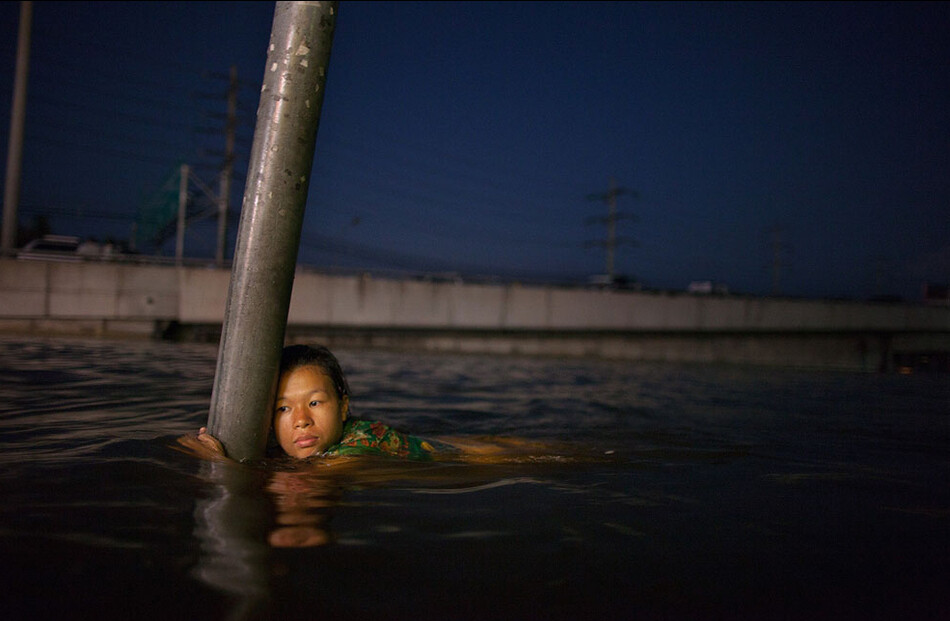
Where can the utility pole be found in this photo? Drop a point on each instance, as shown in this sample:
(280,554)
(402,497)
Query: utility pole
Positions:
(610,197)
(11,192)
(777,248)
(224,189)
(182,214)
(879,264)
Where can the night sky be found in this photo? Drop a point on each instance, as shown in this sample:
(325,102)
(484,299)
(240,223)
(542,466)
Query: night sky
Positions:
(798,148)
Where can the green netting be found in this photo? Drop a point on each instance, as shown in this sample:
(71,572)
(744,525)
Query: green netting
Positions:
(158,213)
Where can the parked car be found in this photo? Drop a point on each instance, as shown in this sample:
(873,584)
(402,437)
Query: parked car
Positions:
(617,281)
(707,287)
(51,248)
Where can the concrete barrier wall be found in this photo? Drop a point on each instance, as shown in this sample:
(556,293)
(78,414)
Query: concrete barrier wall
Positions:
(202,294)
(23,289)
(87,290)
(363,301)
(197,295)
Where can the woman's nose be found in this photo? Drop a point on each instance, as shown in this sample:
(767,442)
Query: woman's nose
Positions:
(301,420)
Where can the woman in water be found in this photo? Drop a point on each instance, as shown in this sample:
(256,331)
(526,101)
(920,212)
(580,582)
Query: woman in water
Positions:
(312,415)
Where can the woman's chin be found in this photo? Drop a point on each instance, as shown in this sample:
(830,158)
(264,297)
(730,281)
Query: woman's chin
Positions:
(310,451)
(302,452)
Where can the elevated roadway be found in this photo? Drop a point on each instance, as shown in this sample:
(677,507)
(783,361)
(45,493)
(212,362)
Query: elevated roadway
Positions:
(120,299)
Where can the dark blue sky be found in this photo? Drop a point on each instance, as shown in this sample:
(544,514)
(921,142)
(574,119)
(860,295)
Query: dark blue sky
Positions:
(468,137)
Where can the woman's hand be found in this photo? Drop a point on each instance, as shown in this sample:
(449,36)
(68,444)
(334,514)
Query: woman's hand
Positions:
(204,445)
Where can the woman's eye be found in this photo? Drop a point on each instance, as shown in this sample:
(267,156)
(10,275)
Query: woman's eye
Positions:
(281,409)
(314,403)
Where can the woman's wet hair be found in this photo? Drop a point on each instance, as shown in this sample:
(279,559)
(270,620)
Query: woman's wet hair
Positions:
(296,356)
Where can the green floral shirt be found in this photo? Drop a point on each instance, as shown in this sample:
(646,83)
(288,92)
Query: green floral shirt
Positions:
(374,438)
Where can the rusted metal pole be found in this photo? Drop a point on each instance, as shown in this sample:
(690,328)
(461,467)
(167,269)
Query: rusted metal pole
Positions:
(265,255)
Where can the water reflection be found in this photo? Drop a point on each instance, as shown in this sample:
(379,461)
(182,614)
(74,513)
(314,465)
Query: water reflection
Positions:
(303,502)
(231,527)
(249,511)
(646,491)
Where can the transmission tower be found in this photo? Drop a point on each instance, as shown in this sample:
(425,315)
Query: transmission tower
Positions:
(175,206)
(612,240)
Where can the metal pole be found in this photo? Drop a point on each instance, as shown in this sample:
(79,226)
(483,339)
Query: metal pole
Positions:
(182,213)
(265,255)
(224,188)
(11,193)
(611,227)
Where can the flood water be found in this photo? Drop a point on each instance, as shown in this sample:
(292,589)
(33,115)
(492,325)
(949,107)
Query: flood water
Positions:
(654,491)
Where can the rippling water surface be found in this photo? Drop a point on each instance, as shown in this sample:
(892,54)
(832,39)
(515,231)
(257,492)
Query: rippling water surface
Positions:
(650,491)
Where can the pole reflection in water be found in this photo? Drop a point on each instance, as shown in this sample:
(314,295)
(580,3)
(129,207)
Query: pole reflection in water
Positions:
(248,512)
(231,528)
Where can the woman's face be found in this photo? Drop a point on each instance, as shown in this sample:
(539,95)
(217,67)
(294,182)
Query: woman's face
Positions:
(308,413)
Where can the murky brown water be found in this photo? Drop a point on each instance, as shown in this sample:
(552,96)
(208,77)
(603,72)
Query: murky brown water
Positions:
(658,491)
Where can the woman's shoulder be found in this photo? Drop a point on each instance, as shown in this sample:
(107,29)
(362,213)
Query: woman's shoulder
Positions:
(364,437)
